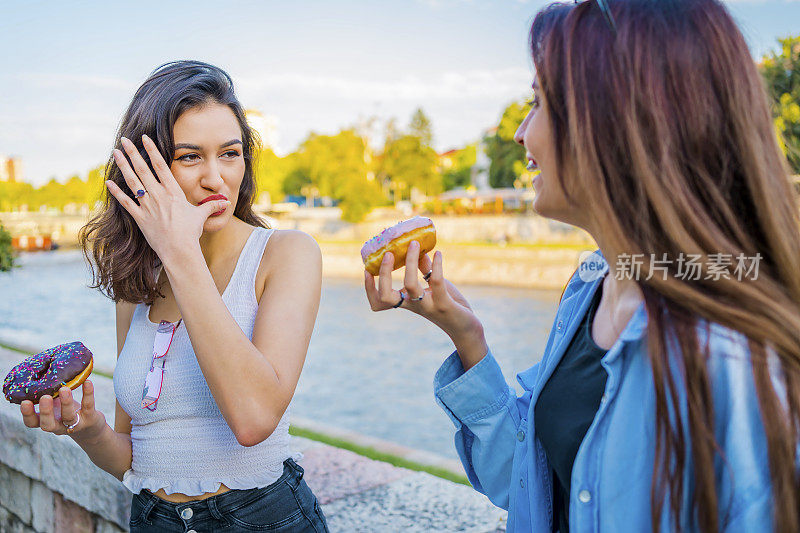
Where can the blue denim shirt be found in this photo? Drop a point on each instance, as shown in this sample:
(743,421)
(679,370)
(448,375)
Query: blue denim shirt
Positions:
(496,439)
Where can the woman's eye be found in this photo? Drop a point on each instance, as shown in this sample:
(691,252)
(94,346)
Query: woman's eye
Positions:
(533,102)
(231,154)
(188,157)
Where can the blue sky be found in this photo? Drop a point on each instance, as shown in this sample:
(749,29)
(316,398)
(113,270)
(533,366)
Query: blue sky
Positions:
(70,68)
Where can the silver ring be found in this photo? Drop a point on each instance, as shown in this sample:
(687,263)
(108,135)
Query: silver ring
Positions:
(402,299)
(427,276)
(417,299)
(71,427)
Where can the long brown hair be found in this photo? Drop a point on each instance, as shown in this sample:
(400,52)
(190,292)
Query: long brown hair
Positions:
(126,264)
(666,122)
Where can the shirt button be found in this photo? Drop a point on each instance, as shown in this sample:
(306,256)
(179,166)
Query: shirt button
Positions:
(560,326)
(521,436)
(522,483)
(187,513)
(585,496)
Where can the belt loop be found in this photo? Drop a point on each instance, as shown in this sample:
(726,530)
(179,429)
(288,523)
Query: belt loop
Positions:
(215,512)
(152,500)
(296,473)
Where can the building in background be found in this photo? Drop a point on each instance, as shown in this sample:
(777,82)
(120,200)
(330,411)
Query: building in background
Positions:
(10,169)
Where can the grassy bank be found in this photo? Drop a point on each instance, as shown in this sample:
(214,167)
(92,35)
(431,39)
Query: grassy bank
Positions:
(378,455)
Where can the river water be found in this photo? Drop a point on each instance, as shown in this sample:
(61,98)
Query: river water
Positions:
(367,372)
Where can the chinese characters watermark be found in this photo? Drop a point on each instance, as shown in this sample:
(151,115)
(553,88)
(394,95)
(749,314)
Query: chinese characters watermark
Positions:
(690,267)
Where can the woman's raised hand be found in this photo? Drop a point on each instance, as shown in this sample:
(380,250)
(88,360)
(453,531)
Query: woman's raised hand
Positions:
(440,302)
(169,222)
(54,413)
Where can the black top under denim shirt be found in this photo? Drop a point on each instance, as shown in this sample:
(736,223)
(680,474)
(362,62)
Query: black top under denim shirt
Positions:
(566,407)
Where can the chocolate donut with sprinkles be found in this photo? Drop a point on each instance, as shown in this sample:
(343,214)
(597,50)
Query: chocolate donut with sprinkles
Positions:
(46,372)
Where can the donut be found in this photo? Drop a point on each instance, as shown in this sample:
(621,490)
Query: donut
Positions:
(46,372)
(396,240)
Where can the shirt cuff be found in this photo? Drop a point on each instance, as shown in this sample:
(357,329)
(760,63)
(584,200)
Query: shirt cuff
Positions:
(467,396)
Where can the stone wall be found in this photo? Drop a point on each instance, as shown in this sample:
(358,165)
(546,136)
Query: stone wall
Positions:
(325,224)
(30,506)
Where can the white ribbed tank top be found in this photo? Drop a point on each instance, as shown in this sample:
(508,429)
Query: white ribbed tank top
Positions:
(185,445)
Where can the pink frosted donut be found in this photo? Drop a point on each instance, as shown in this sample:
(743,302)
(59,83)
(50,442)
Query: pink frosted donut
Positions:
(396,240)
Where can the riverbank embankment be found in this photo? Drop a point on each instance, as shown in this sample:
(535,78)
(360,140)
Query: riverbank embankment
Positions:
(512,250)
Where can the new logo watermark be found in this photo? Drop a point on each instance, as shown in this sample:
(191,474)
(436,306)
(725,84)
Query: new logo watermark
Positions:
(591,266)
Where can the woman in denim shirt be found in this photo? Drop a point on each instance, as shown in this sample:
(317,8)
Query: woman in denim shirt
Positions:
(668,394)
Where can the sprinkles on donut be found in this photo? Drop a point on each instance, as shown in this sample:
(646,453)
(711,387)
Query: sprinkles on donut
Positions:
(46,372)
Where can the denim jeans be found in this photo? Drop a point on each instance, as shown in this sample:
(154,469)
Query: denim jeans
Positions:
(288,505)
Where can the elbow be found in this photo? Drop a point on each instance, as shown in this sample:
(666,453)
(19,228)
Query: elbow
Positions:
(253,434)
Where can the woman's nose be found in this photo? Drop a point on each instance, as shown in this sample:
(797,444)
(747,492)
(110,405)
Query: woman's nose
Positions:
(519,135)
(212,177)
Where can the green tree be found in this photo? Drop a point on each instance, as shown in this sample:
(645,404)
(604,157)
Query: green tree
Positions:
(6,253)
(15,194)
(410,162)
(501,148)
(781,72)
(296,180)
(421,127)
(95,185)
(51,194)
(74,191)
(336,166)
(460,173)
(271,172)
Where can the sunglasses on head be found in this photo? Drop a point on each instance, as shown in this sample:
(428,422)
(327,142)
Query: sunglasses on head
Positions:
(606,11)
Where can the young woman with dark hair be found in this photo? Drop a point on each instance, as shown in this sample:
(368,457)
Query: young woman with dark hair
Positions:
(214,316)
(663,401)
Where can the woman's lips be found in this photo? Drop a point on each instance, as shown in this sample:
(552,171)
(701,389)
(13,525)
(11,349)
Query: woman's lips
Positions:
(531,164)
(212,197)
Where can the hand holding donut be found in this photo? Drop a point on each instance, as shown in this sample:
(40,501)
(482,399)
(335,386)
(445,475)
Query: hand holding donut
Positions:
(169,222)
(440,302)
(55,415)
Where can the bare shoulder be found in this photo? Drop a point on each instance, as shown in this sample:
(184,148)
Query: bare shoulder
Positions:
(288,250)
(289,247)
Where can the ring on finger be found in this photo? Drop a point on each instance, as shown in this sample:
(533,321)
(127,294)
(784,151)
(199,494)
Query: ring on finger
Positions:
(402,299)
(71,427)
(427,276)
(140,193)
(417,299)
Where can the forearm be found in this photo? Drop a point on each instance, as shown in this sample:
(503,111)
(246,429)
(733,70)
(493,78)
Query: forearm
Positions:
(214,332)
(109,450)
(471,346)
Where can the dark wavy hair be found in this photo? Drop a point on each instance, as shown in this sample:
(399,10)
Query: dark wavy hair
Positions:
(667,123)
(126,265)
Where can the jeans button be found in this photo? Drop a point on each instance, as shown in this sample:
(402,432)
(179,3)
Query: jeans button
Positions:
(191,531)
(187,513)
